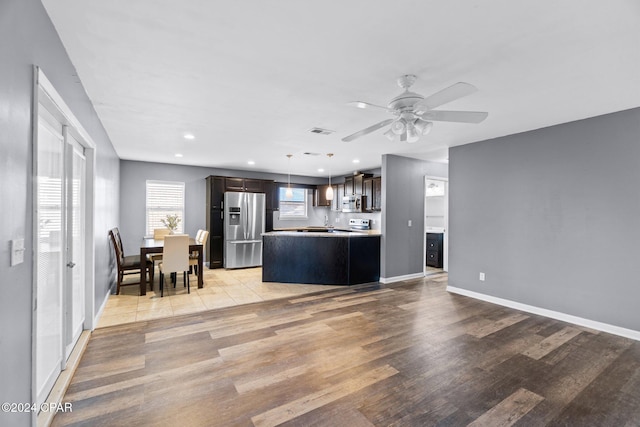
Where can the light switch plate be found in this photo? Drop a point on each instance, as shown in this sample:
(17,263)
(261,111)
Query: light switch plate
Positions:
(17,252)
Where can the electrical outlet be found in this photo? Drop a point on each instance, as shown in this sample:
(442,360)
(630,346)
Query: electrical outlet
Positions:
(482,277)
(409,223)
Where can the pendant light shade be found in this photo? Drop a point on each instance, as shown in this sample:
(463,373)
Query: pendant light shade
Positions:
(329,194)
(289,193)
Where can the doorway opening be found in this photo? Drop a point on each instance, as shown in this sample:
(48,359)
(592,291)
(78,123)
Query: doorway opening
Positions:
(436,224)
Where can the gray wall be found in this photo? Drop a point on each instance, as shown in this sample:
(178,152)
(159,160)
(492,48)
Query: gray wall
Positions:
(28,38)
(403,200)
(552,217)
(133,177)
(134,174)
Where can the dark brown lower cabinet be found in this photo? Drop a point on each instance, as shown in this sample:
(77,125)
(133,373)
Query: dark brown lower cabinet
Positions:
(434,250)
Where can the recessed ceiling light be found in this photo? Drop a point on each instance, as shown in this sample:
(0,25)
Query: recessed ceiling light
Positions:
(320,170)
(356,161)
(251,162)
(178,155)
(189,136)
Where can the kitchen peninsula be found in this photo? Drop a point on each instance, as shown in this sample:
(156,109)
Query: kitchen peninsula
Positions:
(321,255)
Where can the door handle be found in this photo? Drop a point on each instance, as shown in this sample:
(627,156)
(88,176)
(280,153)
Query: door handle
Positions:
(71,264)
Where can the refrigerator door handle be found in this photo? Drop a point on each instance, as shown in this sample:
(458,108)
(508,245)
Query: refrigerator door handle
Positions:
(246,217)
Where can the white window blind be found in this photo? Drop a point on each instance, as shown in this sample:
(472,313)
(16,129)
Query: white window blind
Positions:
(294,207)
(164,198)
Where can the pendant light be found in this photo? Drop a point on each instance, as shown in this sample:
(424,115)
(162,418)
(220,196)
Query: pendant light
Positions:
(329,194)
(289,193)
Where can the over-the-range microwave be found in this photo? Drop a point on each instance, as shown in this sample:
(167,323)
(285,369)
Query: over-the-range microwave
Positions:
(353,203)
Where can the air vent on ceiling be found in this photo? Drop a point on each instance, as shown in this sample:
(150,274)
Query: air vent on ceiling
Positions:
(311,154)
(321,131)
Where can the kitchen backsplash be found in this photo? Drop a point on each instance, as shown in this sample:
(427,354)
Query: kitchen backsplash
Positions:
(324,215)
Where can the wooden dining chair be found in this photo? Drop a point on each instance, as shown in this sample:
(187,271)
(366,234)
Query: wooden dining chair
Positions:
(160,233)
(201,238)
(175,259)
(127,264)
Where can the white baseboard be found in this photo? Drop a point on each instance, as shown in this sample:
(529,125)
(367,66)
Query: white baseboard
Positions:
(401,278)
(599,326)
(100,310)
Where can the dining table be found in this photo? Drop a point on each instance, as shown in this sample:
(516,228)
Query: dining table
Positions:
(155,246)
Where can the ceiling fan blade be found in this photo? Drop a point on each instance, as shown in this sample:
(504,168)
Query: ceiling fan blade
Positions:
(367,130)
(449,94)
(365,105)
(454,116)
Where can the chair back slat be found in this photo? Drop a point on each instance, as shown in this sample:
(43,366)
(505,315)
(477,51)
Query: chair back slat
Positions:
(175,253)
(117,246)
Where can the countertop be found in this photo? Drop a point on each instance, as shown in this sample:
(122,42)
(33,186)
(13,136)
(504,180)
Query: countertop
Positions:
(320,231)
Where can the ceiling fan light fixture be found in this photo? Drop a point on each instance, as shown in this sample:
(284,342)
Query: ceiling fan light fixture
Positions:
(412,134)
(398,126)
(427,128)
(415,113)
(390,135)
(423,127)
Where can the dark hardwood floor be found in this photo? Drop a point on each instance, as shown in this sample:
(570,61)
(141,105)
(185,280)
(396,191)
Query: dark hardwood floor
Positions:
(407,354)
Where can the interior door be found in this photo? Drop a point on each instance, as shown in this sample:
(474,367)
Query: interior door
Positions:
(75,266)
(50,225)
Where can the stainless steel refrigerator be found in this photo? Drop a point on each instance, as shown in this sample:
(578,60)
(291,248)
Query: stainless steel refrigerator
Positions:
(244,224)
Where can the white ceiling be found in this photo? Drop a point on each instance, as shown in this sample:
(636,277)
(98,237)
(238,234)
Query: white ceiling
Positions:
(250,78)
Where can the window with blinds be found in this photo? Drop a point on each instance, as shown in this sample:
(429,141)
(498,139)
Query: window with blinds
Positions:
(164,198)
(294,207)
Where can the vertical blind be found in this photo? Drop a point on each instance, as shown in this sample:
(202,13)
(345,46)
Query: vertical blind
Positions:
(164,198)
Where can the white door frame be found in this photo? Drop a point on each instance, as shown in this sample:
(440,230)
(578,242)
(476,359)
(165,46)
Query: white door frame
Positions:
(45,93)
(445,243)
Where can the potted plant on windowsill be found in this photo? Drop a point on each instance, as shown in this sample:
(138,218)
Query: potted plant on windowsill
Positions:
(171,222)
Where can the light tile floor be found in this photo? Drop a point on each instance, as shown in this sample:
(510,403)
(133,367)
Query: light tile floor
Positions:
(222,288)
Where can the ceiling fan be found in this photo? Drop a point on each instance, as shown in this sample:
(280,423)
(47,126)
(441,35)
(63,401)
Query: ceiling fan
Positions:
(415,114)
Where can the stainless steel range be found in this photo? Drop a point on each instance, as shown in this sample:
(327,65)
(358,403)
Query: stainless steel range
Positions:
(359,224)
